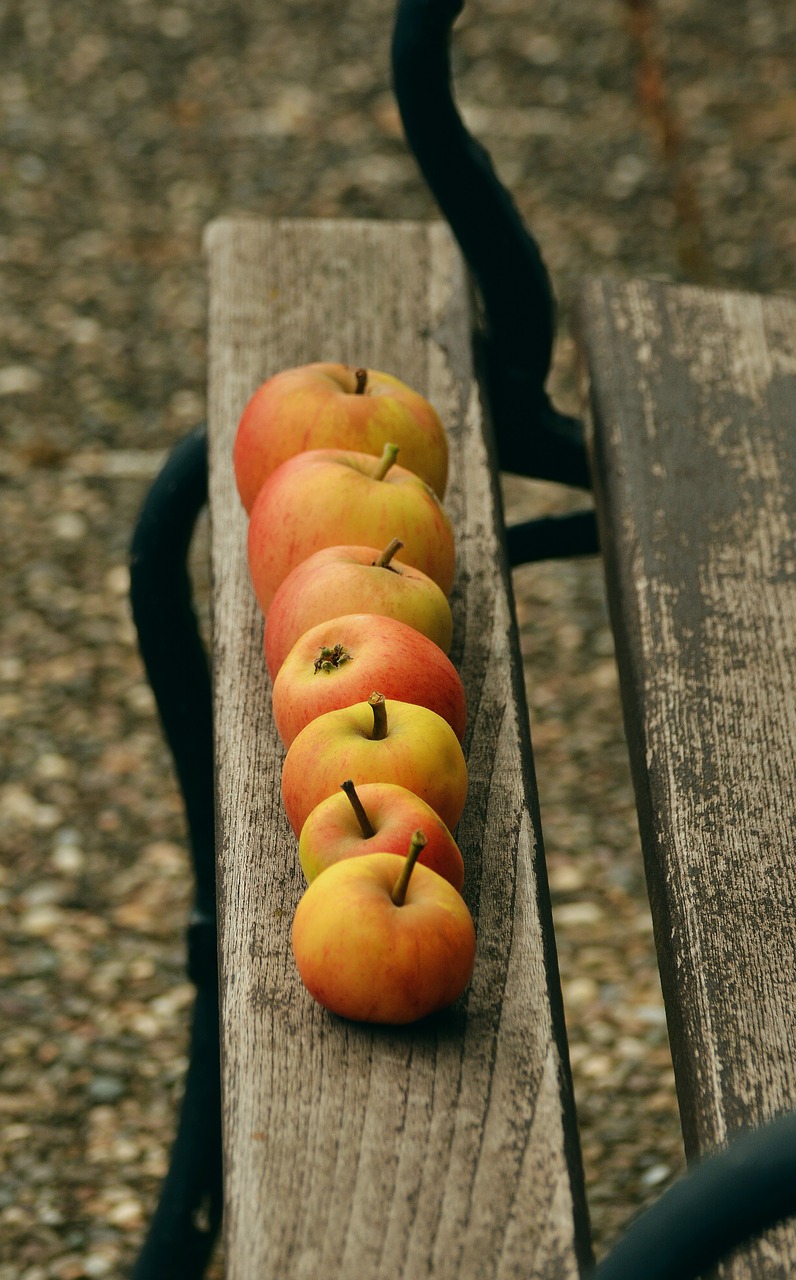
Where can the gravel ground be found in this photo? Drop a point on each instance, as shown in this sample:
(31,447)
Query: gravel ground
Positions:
(637,141)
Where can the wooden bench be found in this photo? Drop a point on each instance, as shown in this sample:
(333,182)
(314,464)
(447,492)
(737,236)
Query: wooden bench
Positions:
(691,397)
(450,1149)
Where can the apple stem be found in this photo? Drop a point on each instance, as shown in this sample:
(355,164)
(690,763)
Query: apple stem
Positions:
(361,376)
(386,461)
(365,824)
(416,847)
(379,706)
(383,561)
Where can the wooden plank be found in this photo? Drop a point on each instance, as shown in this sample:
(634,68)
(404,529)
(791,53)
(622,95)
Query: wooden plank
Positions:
(692,404)
(447,1149)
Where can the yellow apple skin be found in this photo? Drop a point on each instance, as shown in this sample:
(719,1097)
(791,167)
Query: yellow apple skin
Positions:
(420,752)
(317,406)
(327,496)
(347,579)
(376,653)
(366,959)
(332,832)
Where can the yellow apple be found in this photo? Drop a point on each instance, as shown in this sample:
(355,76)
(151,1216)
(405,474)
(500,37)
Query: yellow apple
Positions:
(376,741)
(376,817)
(326,497)
(354,579)
(335,406)
(380,939)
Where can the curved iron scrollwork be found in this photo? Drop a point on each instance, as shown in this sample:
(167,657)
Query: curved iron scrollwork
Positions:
(515,347)
(187,1219)
(726,1200)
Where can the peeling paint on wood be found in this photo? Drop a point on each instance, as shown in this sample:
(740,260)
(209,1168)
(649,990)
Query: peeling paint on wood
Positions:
(691,399)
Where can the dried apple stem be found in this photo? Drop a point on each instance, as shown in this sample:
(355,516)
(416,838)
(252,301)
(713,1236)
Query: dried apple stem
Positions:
(379,706)
(331,657)
(365,825)
(385,461)
(361,376)
(416,847)
(383,561)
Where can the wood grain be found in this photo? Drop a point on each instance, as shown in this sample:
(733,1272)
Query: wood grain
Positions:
(447,1149)
(692,405)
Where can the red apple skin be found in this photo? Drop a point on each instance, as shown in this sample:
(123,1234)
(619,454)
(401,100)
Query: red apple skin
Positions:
(316,407)
(324,496)
(332,832)
(383,654)
(420,752)
(346,579)
(365,959)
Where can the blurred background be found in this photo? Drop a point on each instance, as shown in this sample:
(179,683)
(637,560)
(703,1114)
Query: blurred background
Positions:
(639,139)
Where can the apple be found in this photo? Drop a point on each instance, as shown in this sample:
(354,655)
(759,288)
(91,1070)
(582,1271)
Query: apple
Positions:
(375,741)
(354,579)
(380,939)
(327,496)
(341,661)
(321,406)
(377,817)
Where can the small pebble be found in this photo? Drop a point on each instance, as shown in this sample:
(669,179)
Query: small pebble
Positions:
(97,1265)
(571,914)
(655,1175)
(68,526)
(106,1089)
(68,858)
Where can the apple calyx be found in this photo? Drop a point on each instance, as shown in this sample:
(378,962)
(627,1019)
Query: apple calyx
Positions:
(365,825)
(361,376)
(330,659)
(379,707)
(383,561)
(416,846)
(386,460)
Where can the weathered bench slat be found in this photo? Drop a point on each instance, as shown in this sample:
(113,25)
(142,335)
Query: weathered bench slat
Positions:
(447,1149)
(692,397)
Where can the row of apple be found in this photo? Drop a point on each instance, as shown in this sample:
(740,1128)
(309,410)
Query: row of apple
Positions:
(351,554)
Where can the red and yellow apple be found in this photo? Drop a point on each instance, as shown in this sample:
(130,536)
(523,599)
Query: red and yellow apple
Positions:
(354,579)
(339,662)
(380,939)
(326,497)
(375,741)
(376,817)
(335,406)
